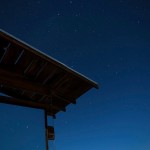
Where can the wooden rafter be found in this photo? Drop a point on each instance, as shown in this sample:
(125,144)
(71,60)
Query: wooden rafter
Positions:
(26,103)
(18,81)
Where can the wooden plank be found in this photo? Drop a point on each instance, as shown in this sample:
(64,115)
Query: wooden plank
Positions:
(54,107)
(27,103)
(18,81)
(19,102)
(10,56)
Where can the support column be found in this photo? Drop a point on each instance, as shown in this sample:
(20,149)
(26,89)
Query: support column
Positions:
(46,131)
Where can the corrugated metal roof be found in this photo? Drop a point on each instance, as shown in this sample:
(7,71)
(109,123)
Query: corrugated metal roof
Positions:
(34,79)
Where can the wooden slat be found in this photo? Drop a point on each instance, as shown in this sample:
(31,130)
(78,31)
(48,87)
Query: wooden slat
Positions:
(17,81)
(26,103)
(33,68)
(10,57)
(20,102)
(24,61)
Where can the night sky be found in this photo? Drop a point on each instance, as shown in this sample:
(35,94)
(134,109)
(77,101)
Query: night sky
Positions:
(107,41)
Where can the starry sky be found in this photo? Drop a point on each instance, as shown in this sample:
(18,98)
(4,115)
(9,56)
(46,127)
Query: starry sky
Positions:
(106,40)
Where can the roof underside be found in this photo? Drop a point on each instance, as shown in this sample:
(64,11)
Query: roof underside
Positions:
(33,79)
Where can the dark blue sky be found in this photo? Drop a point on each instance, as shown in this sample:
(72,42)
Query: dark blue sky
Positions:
(106,40)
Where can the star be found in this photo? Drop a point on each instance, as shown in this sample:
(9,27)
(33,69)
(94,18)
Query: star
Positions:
(108,65)
(75,30)
(70,2)
(58,14)
(138,22)
(38,2)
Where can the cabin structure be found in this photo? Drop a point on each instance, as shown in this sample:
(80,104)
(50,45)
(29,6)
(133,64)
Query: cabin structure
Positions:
(33,79)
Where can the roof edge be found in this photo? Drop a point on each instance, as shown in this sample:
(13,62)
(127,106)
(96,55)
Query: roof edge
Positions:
(47,57)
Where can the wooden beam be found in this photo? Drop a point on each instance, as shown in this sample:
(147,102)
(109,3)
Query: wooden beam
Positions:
(27,103)
(23,98)
(14,80)
(19,102)
(17,81)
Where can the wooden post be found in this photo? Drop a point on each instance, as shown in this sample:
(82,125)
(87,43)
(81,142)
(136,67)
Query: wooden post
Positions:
(46,131)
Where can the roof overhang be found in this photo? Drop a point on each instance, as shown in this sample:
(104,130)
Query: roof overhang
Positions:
(33,79)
